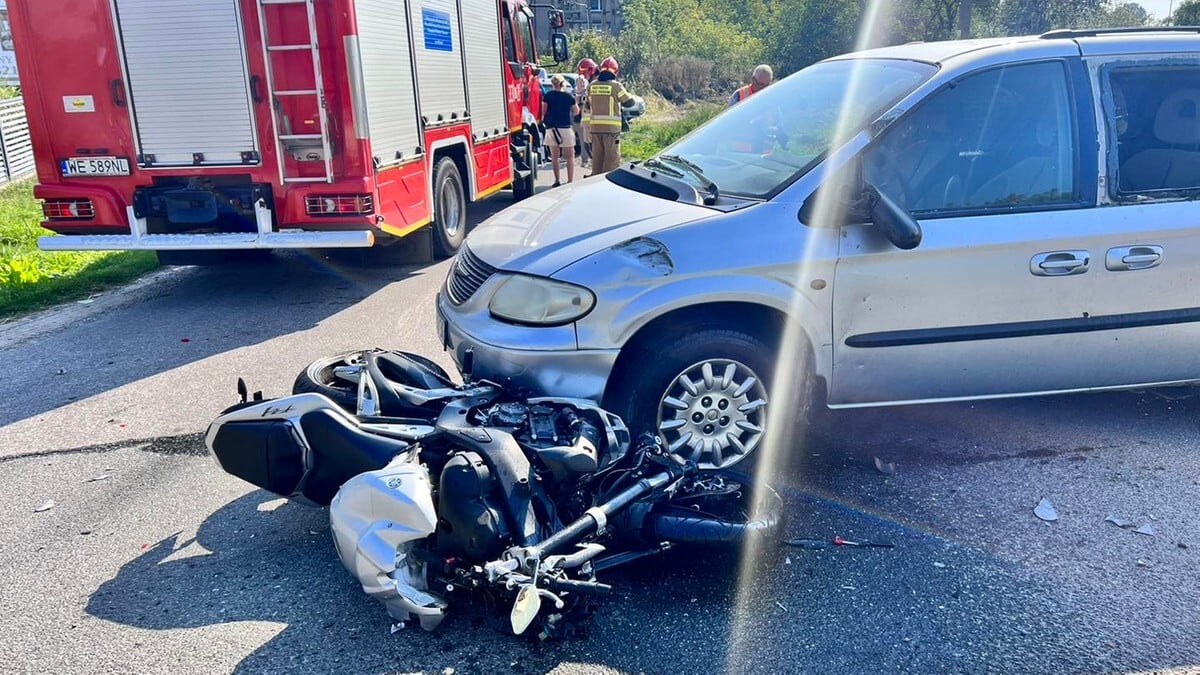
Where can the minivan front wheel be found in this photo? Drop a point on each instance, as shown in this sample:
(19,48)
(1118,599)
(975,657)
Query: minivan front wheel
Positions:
(706,394)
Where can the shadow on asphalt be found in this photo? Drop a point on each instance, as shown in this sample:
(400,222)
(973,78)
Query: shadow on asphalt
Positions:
(188,318)
(823,611)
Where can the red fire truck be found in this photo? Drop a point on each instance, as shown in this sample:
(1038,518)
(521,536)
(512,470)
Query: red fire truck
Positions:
(189,125)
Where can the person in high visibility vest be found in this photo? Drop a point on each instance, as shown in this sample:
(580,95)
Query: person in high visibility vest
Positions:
(586,71)
(761,78)
(606,97)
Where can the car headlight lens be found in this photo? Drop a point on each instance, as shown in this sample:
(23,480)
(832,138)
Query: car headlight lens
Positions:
(539,301)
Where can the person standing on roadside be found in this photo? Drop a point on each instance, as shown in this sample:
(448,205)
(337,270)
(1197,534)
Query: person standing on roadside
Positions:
(586,70)
(760,80)
(558,107)
(606,97)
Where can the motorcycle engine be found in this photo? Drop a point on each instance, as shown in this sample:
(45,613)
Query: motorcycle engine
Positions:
(559,440)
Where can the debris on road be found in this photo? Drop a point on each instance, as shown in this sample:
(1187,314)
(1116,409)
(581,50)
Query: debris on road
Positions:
(885,468)
(1142,563)
(780,605)
(1182,545)
(1119,522)
(940,565)
(1046,511)
(1146,529)
(45,507)
(836,541)
(97,478)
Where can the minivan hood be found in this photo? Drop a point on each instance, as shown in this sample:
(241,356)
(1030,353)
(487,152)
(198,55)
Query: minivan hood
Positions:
(552,229)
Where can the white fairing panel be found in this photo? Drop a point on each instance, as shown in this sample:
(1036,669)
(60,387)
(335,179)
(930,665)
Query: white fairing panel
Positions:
(437,42)
(188,86)
(485,64)
(374,518)
(387,74)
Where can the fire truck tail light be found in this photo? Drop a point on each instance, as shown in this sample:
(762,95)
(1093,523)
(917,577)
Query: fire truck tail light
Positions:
(68,209)
(339,205)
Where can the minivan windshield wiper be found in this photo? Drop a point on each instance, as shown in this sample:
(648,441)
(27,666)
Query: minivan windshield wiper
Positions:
(665,168)
(714,193)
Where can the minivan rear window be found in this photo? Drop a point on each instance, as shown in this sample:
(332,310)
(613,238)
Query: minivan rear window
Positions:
(1156,124)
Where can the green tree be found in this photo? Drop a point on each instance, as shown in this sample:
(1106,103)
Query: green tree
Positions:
(1187,14)
(802,32)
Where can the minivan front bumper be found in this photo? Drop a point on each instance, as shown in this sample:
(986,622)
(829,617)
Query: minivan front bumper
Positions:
(565,372)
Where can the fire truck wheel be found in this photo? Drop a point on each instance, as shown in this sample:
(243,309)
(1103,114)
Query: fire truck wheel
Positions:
(450,208)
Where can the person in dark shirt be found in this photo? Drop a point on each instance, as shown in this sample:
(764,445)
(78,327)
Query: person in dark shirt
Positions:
(558,108)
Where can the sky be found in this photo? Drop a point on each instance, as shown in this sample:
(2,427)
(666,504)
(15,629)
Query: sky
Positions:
(1158,8)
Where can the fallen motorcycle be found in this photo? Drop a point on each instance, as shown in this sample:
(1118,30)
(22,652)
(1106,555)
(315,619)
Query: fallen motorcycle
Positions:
(438,490)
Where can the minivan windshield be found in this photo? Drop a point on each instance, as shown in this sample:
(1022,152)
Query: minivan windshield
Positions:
(765,142)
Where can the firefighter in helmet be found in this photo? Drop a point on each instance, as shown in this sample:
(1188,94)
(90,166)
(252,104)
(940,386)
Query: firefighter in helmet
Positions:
(606,97)
(587,71)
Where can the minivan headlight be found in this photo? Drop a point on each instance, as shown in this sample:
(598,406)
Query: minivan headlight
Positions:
(539,301)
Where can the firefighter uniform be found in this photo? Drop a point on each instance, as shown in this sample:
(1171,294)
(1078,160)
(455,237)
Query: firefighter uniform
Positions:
(605,97)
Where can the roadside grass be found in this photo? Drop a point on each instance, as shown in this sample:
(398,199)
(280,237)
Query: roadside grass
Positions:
(31,279)
(662,126)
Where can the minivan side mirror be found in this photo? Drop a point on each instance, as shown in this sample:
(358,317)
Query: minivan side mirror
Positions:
(558,44)
(897,225)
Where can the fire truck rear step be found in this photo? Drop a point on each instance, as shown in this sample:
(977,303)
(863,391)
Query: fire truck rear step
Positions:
(207,242)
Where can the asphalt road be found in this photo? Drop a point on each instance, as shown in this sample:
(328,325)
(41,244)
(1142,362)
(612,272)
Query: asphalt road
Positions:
(153,560)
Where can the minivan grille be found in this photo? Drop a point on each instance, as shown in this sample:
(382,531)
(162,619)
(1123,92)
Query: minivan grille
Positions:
(467,274)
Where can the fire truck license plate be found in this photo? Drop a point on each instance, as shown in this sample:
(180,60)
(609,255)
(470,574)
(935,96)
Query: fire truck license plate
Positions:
(95,166)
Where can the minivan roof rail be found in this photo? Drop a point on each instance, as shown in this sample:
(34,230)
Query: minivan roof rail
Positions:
(1093,32)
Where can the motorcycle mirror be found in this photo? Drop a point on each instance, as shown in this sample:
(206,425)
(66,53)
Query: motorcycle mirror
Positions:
(525,609)
(243,392)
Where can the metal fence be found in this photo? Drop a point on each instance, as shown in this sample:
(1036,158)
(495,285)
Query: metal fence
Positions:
(16,150)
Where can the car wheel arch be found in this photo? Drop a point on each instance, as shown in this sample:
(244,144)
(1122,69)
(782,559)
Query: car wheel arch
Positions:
(760,320)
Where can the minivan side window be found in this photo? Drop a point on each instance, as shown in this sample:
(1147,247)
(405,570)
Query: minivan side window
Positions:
(1155,119)
(999,140)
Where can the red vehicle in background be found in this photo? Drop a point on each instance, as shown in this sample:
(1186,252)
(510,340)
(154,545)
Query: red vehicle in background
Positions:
(187,125)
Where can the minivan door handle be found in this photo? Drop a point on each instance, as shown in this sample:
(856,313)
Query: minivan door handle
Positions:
(1124,258)
(1059,263)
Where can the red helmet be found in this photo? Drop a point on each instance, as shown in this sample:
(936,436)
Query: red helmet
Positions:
(587,67)
(610,64)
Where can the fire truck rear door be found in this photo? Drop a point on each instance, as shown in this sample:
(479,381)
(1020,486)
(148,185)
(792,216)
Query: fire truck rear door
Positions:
(185,65)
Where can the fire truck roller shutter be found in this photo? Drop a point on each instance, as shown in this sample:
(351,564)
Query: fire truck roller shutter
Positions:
(187,80)
(485,69)
(439,61)
(387,75)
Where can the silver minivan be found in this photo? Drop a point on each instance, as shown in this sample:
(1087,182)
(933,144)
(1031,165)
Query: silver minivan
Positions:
(920,223)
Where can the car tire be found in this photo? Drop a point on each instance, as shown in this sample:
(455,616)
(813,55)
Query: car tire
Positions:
(449,209)
(691,390)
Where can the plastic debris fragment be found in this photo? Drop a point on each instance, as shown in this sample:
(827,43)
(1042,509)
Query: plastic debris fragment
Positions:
(99,477)
(1142,563)
(939,565)
(45,507)
(1146,529)
(1046,511)
(885,468)
(1119,522)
